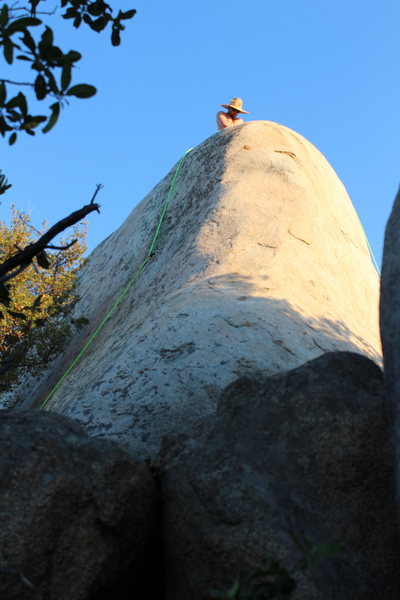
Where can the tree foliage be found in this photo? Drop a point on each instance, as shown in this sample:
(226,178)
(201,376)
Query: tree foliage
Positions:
(23,257)
(36,286)
(35,319)
(25,38)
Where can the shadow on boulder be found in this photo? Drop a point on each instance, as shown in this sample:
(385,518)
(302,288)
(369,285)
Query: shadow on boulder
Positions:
(306,452)
(77,514)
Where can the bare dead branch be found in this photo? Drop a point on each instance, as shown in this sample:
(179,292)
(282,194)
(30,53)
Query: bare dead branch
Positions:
(99,186)
(28,12)
(16,82)
(51,247)
(23,258)
(26,222)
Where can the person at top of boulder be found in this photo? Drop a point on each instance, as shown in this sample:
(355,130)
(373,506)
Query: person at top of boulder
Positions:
(230,117)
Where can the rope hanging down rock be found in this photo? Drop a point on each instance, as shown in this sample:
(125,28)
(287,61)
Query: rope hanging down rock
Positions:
(124,291)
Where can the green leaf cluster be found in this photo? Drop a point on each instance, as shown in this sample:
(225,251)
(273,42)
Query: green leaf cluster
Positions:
(4,185)
(97,15)
(22,39)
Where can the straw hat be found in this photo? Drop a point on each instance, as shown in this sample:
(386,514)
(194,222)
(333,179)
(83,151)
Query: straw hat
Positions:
(235,103)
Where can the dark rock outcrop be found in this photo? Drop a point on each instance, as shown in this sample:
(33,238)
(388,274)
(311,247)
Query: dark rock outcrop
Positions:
(302,453)
(390,324)
(76,513)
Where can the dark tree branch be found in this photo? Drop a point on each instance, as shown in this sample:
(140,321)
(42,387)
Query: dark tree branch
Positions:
(24,257)
(99,186)
(28,11)
(13,273)
(51,247)
(16,82)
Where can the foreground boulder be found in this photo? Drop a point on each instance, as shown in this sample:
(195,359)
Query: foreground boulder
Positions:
(261,264)
(390,324)
(75,512)
(299,456)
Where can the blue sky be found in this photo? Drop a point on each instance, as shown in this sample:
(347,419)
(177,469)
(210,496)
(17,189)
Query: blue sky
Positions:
(328,70)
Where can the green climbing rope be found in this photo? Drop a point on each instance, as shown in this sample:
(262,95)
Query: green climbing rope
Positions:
(124,291)
(133,279)
(372,256)
(369,247)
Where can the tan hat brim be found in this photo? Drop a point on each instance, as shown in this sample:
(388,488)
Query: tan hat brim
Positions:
(238,109)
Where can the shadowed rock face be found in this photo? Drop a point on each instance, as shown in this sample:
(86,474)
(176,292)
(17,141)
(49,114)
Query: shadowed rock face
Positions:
(261,264)
(390,325)
(76,513)
(303,453)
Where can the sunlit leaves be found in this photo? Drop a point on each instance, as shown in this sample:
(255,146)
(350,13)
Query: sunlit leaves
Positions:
(16,315)
(5,294)
(34,303)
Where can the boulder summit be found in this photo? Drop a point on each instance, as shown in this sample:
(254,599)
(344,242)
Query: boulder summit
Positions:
(261,264)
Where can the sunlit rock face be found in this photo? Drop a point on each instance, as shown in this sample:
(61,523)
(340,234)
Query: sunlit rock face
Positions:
(261,264)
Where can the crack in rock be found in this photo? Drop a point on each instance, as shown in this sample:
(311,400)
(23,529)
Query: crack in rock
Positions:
(174,353)
(291,154)
(320,347)
(281,344)
(244,324)
(297,238)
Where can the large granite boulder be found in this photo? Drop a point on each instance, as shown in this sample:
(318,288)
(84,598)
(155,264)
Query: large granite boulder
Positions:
(299,455)
(390,323)
(261,264)
(76,513)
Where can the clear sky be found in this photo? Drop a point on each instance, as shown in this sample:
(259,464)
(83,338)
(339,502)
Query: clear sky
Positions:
(327,69)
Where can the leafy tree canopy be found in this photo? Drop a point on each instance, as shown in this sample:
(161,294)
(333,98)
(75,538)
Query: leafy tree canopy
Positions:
(35,314)
(25,37)
(36,286)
